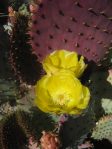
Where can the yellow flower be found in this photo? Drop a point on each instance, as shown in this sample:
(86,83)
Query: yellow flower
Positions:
(61,93)
(63,59)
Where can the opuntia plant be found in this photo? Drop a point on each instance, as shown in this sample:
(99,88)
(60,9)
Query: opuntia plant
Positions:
(23,61)
(103,129)
(73,25)
(40,27)
(11,134)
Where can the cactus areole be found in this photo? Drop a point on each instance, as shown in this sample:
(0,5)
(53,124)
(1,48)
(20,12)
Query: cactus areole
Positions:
(76,25)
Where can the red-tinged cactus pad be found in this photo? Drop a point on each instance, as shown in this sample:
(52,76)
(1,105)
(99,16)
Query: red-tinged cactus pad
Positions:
(83,26)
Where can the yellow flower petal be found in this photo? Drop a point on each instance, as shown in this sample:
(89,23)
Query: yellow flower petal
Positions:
(61,93)
(63,59)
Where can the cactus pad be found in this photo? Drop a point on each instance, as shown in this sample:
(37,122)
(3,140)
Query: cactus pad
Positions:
(23,61)
(85,27)
(75,130)
(107,105)
(11,134)
(103,129)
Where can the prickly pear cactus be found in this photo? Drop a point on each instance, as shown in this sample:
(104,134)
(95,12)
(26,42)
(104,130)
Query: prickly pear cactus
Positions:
(107,61)
(73,25)
(11,134)
(76,129)
(8,84)
(100,89)
(40,121)
(23,61)
(18,127)
(67,24)
(13,96)
(35,122)
(107,105)
(103,129)
(107,102)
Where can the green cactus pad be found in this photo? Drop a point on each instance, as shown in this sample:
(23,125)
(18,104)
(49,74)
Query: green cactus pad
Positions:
(107,105)
(103,129)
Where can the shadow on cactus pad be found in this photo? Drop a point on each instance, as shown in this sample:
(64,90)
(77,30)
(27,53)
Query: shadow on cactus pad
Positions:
(76,129)
(40,122)
(3,12)
(100,88)
(104,144)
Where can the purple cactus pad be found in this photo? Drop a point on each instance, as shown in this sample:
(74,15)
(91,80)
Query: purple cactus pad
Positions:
(83,26)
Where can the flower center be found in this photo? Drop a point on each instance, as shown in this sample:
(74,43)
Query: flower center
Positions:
(61,99)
